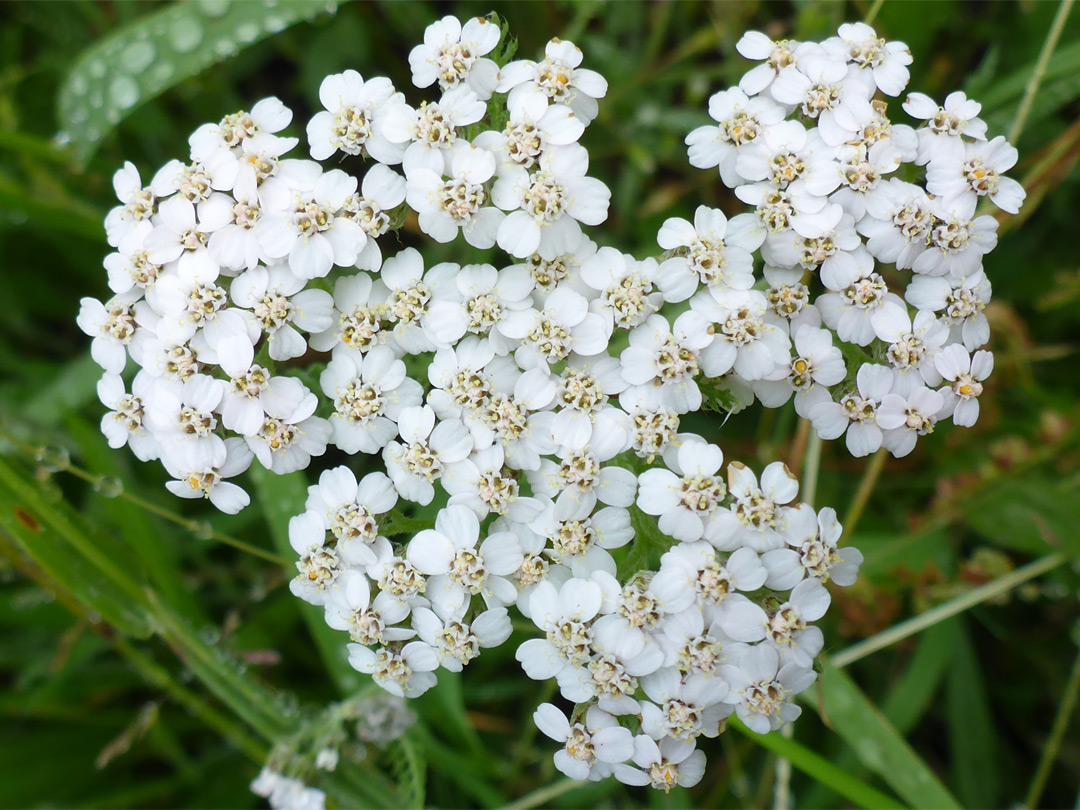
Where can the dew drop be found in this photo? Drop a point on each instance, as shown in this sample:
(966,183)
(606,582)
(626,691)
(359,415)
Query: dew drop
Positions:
(160,73)
(138,56)
(224,47)
(78,114)
(62,138)
(275,24)
(123,92)
(214,8)
(247,32)
(96,69)
(78,84)
(186,35)
(108,486)
(53,458)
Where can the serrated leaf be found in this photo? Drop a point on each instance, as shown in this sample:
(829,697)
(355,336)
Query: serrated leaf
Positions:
(79,561)
(410,770)
(874,740)
(157,51)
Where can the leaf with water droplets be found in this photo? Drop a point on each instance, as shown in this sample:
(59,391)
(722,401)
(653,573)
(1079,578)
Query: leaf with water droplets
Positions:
(157,51)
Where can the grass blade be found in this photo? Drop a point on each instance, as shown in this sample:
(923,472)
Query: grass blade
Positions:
(818,768)
(155,52)
(876,742)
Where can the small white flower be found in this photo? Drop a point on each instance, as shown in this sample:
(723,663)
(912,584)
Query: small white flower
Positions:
(905,418)
(712,250)
(354,118)
(961,302)
(447,206)
(546,206)
(864,310)
(686,497)
(741,121)
(979,174)
(761,688)
(591,748)
(201,476)
(558,79)
(813,552)
(856,413)
(945,124)
(369,393)
(453,53)
(426,449)
(965,375)
(884,64)
(279,301)
(311,233)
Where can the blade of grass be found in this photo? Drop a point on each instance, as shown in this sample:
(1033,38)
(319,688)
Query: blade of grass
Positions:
(876,743)
(818,768)
(157,51)
(1057,735)
(975,596)
(1032,89)
(972,731)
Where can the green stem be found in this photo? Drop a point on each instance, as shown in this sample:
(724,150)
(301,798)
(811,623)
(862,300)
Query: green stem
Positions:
(871,15)
(975,596)
(811,467)
(157,675)
(1032,89)
(191,525)
(862,495)
(1057,734)
(544,794)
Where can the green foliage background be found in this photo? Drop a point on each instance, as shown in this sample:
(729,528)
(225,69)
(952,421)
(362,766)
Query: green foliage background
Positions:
(146,662)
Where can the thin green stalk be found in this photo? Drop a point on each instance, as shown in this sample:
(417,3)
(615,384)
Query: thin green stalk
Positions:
(871,15)
(543,795)
(862,495)
(811,466)
(199,529)
(975,596)
(156,674)
(1032,89)
(1057,734)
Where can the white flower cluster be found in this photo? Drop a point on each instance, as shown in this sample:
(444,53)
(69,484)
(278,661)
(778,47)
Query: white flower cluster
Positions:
(533,404)
(286,793)
(806,139)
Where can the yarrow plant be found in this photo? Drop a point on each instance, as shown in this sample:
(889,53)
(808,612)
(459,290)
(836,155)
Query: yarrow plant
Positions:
(531,397)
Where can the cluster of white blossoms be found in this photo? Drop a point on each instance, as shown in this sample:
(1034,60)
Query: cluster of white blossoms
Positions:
(840,192)
(516,421)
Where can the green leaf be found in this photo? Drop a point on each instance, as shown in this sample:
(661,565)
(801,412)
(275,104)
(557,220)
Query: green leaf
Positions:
(972,732)
(1032,515)
(874,740)
(818,768)
(648,545)
(82,563)
(410,770)
(911,697)
(280,498)
(159,50)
